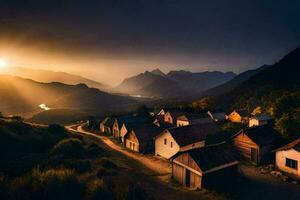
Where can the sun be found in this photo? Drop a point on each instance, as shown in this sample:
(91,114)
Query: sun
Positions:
(3,63)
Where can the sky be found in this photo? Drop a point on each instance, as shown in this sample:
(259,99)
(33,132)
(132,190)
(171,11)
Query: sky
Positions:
(110,40)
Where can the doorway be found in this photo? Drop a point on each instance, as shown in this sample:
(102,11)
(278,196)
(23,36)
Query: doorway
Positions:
(254,155)
(187,178)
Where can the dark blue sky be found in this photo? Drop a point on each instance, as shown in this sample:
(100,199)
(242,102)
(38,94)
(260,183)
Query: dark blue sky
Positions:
(197,34)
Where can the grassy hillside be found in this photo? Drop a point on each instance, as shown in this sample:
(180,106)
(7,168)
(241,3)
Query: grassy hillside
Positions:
(49,163)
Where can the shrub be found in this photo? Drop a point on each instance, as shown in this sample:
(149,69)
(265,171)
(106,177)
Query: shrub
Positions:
(106,163)
(97,190)
(70,148)
(57,130)
(49,184)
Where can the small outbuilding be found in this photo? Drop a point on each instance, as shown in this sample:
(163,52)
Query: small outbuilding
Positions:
(189,119)
(239,116)
(260,120)
(210,166)
(255,144)
(109,126)
(288,158)
(174,140)
(141,137)
(170,117)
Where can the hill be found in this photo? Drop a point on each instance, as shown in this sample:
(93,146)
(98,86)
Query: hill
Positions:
(267,83)
(183,84)
(47,76)
(233,83)
(18,95)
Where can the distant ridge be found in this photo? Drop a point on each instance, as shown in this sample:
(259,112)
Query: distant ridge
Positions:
(175,84)
(48,76)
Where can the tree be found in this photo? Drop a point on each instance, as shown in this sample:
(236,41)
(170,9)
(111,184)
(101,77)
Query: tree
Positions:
(203,104)
(289,124)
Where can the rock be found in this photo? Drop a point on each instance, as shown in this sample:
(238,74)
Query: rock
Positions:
(264,171)
(295,182)
(276,173)
(270,167)
(284,178)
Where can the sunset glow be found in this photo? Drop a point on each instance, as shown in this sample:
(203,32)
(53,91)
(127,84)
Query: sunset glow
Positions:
(3,63)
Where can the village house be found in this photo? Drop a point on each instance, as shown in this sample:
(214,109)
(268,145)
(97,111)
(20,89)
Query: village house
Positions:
(174,140)
(288,158)
(159,120)
(217,116)
(161,112)
(109,126)
(189,119)
(141,137)
(208,167)
(126,123)
(170,117)
(255,144)
(239,116)
(260,120)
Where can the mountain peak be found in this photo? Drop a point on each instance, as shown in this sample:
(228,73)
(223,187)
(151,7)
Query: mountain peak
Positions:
(158,72)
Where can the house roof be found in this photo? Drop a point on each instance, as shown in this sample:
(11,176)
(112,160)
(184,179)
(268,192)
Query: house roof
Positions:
(219,115)
(262,117)
(109,122)
(146,132)
(192,116)
(186,135)
(130,119)
(293,145)
(261,135)
(243,112)
(176,113)
(213,156)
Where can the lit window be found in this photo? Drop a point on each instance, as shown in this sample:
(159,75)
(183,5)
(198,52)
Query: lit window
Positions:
(291,163)
(165,141)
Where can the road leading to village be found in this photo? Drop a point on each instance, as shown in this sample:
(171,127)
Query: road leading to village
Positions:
(157,165)
(153,173)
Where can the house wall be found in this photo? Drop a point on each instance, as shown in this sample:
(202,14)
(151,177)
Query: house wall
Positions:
(115,130)
(102,128)
(131,141)
(182,123)
(256,122)
(235,117)
(179,174)
(181,165)
(107,130)
(281,157)
(168,118)
(123,132)
(243,145)
(165,150)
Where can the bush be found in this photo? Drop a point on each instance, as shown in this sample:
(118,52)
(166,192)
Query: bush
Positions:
(79,166)
(49,184)
(69,148)
(57,130)
(97,190)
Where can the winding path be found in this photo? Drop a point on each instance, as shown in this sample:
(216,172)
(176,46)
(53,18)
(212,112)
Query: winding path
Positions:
(157,165)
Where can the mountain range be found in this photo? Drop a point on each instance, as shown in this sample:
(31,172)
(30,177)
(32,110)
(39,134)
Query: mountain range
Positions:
(173,84)
(47,76)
